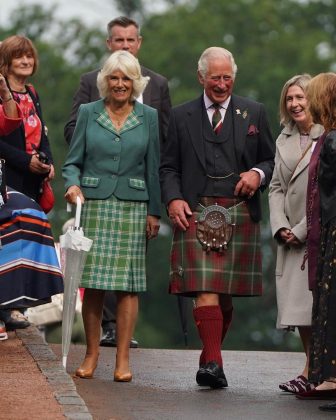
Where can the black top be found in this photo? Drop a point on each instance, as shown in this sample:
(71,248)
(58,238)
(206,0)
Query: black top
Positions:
(327,178)
(17,160)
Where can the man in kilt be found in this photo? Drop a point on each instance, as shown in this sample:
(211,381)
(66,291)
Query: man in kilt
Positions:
(218,157)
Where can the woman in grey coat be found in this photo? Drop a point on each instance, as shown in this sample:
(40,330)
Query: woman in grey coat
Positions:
(287,200)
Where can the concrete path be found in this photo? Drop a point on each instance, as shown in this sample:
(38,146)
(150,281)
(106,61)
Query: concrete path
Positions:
(34,386)
(164,387)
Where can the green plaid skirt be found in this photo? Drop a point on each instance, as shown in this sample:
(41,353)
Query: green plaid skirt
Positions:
(116,260)
(236,271)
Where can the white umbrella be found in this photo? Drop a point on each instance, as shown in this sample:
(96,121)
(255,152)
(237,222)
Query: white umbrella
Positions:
(74,248)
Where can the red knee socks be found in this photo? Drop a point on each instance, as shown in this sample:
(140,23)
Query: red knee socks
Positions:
(209,321)
(227,318)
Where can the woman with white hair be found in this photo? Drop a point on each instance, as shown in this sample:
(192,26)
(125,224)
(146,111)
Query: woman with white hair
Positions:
(112,165)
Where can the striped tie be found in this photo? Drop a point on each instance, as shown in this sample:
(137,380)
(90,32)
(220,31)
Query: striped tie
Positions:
(216,119)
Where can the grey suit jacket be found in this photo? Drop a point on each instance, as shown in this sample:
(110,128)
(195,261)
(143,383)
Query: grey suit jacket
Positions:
(183,169)
(155,95)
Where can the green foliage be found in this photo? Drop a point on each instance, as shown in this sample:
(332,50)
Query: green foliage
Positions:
(66,49)
(33,21)
(130,7)
(271,41)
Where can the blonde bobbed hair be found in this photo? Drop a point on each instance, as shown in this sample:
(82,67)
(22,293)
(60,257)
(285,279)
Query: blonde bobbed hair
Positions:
(300,80)
(129,65)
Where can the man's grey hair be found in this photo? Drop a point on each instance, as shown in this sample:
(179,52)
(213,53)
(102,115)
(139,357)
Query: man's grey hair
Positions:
(212,53)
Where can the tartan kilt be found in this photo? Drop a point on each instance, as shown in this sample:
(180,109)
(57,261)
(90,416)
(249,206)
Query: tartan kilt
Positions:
(116,260)
(236,271)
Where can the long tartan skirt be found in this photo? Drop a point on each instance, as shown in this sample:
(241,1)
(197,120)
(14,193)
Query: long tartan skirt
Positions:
(116,260)
(236,271)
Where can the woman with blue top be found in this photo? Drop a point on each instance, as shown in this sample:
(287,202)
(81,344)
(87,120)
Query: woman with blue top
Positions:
(112,165)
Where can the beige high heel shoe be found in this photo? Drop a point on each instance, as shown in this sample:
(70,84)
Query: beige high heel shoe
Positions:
(122,377)
(85,373)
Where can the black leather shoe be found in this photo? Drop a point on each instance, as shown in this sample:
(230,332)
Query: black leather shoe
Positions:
(328,407)
(12,322)
(199,376)
(211,375)
(134,344)
(109,339)
(15,324)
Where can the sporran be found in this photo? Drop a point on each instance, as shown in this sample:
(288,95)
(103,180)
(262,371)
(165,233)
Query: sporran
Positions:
(215,228)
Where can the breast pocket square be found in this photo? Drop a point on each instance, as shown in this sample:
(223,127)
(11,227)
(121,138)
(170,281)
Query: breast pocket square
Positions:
(252,130)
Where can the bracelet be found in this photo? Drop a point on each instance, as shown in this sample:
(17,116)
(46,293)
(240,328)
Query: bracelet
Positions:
(8,99)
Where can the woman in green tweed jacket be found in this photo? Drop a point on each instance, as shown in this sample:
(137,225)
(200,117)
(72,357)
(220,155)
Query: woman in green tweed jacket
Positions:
(112,165)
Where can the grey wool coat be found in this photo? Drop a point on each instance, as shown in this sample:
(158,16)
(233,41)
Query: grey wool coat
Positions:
(287,201)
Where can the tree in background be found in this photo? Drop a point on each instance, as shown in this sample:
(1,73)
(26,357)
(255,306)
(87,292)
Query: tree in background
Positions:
(66,50)
(131,8)
(271,41)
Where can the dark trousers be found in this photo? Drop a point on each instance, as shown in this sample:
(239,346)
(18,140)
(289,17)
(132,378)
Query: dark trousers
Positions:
(109,311)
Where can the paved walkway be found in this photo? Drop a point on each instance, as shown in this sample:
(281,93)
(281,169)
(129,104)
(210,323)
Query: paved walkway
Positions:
(164,388)
(33,385)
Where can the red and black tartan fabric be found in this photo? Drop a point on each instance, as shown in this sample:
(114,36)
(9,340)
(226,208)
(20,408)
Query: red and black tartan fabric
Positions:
(237,271)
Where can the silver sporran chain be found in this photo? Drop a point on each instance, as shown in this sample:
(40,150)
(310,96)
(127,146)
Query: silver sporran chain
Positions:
(214,227)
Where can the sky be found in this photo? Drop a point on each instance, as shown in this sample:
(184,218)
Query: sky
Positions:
(92,12)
